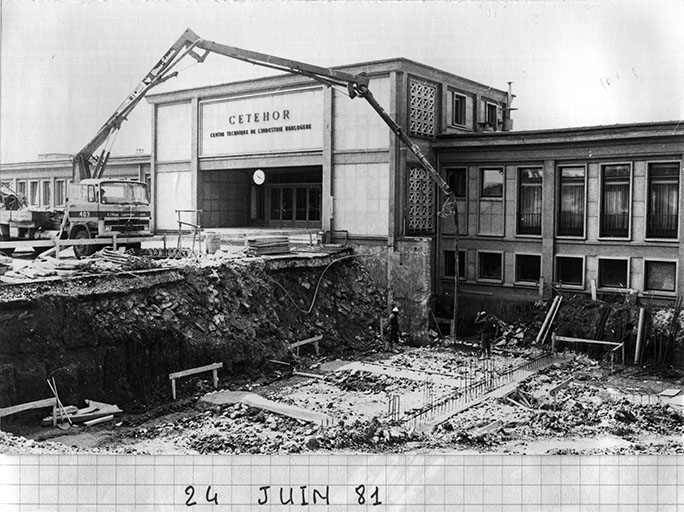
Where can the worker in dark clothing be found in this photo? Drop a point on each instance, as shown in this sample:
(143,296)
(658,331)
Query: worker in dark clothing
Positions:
(393,338)
(487,325)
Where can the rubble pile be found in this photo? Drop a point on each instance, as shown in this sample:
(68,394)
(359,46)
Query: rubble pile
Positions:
(242,429)
(584,409)
(354,380)
(12,444)
(119,343)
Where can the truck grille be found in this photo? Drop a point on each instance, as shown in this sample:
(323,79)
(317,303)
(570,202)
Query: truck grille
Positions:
(127,226)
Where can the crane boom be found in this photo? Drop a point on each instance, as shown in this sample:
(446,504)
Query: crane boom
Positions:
(159,73)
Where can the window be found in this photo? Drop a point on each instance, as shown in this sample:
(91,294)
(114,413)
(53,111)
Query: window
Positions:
(45,196)
(459,109)
(34,192)
(491,115)
(615,201)
(529,201)
(491,266)
(570,270)
(663,200)
(456,178)
(21,188)
(571,202)
(60,192)
(613,273)
(661,276)
(527,268)
(449,264)
(492,183)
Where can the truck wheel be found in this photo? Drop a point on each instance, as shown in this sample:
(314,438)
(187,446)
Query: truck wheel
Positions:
(82,251)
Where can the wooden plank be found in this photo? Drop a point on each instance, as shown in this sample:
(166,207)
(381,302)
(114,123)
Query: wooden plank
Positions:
(38,404)
(99,420)
(593,342)
(310,375)
(315,339)
(554,390)
(193,371)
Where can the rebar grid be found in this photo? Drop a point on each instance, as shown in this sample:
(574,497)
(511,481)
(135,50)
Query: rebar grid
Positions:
(474,389)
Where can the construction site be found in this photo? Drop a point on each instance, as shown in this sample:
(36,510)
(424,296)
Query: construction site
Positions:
(126,329)
(280,346)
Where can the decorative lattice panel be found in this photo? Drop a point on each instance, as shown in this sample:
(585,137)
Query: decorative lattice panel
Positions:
(420,201)
(422,109)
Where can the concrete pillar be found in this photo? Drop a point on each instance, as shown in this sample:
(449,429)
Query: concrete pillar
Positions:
(548,223)
(680,263)
(153,169)
(327,191)
(396,112)
(196,199)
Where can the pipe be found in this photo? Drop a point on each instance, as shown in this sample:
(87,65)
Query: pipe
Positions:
(640,336)
(553,318)
(546,320)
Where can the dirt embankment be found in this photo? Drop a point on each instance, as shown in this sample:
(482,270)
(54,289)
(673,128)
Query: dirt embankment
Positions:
(117,338)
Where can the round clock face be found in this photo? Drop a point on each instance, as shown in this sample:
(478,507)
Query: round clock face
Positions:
(259,177)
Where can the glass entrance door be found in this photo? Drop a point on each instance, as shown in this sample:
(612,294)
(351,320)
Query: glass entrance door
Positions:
(297,206)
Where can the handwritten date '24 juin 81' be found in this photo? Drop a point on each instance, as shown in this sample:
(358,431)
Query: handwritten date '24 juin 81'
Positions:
(303,495)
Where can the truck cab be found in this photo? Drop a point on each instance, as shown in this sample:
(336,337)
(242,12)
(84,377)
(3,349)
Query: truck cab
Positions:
(106,207)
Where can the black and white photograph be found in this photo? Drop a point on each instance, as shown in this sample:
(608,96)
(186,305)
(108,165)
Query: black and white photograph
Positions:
(405,255)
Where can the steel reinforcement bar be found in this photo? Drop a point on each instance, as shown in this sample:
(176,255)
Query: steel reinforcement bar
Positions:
(492,380)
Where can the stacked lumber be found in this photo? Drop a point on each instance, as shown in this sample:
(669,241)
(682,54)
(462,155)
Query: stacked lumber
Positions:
(268,245)
(42,269)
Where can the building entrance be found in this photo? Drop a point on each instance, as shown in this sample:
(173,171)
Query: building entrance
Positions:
(293,198)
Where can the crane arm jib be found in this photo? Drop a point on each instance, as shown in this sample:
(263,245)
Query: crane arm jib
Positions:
(326,75)
(156,75)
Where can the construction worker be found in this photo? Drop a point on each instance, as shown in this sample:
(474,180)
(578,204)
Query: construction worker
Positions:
(487,325)
(393,338)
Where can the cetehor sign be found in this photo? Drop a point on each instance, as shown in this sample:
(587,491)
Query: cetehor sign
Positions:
(262,124)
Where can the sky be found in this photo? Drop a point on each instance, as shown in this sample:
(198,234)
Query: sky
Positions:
(65,66)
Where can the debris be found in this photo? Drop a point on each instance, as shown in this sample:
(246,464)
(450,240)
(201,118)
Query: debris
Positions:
(94,410)
(99,420)
(267,245)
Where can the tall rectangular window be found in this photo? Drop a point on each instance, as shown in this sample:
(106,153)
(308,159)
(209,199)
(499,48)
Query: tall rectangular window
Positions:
(459,109)
(529,201)
(615,200)
(449,264)
(613,273)
(492,181)
(21,188)
(60,192)
(491,115)
(456,178)
(571,202)
(34,193)
(47,192)
(663,200)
